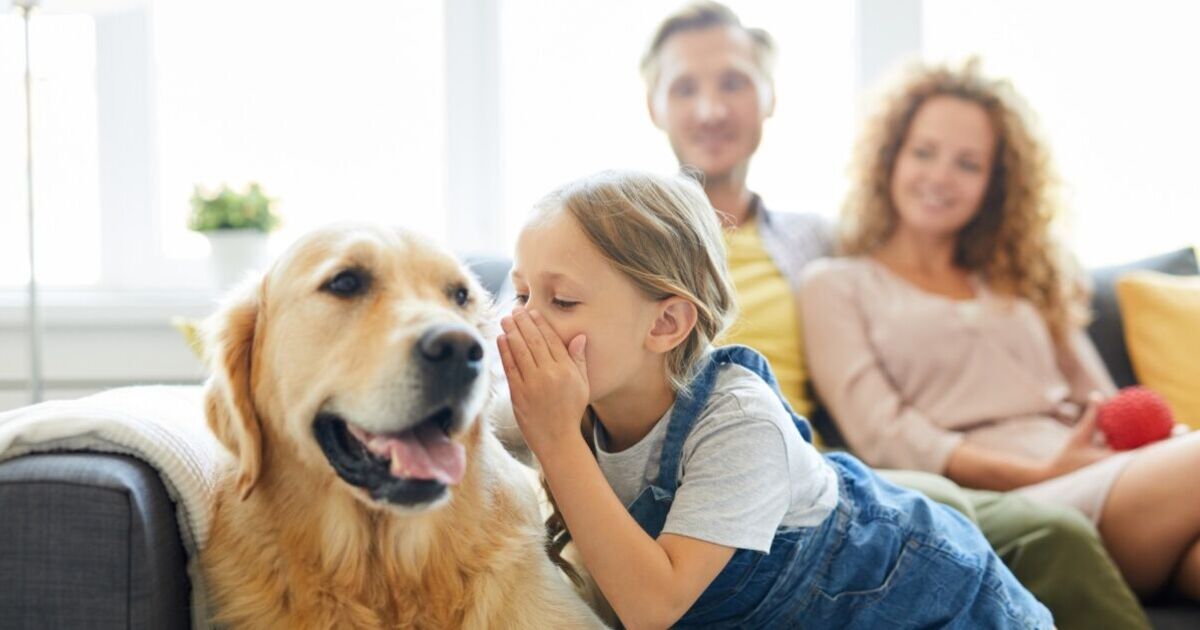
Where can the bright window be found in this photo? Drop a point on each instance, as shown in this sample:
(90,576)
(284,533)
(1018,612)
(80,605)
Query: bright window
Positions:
(337,110)
(66,190)
(1113,88)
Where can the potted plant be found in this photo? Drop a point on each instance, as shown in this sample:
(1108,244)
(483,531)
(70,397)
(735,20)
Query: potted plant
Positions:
(236,225)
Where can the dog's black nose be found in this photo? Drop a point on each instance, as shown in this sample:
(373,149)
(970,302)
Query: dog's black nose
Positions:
(453,353)
(450,343)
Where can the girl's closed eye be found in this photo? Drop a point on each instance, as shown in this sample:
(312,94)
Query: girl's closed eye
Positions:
(523,299)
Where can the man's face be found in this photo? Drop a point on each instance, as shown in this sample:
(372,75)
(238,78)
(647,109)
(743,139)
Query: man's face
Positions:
(711,99)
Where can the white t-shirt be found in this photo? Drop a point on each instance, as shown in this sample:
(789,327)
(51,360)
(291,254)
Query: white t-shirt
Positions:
(744,472)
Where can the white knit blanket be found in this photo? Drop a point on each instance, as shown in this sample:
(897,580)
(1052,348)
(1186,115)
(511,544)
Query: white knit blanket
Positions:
(161,425)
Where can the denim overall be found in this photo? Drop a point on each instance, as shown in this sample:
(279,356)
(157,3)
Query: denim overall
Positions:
(884,558)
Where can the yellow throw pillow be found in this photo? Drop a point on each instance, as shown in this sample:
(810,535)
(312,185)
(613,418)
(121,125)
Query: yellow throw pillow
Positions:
(1161,314)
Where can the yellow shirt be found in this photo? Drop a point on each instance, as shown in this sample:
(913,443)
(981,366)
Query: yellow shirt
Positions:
(767,320)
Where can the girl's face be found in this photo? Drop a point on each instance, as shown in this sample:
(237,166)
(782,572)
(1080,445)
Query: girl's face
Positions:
(942,169)
(559,273)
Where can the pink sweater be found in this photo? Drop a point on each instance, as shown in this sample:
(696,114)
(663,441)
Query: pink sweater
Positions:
(909,374)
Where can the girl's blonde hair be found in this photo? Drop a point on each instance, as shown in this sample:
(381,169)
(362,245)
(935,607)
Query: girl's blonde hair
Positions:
(1009,240)
(663,234)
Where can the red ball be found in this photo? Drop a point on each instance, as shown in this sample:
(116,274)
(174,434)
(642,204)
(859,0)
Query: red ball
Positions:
(1134,417)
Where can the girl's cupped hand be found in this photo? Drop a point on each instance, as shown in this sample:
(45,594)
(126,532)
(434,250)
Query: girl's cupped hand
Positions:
(547,380)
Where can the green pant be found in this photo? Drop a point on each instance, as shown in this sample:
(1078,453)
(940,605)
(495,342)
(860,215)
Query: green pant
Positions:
(1054,551)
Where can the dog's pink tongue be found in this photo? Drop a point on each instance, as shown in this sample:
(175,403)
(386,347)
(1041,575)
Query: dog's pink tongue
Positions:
(427,453)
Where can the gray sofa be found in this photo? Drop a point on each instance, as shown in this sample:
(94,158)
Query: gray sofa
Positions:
(90,539)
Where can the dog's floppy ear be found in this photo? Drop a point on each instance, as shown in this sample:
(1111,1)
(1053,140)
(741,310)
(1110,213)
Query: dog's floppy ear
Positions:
(228,399)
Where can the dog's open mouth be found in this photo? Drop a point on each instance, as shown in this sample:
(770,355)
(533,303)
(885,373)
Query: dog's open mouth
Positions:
(407,467)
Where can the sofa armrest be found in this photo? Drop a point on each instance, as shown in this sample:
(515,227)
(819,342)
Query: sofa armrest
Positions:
(89,540)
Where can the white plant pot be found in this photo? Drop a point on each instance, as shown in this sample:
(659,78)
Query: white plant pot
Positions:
(235,254)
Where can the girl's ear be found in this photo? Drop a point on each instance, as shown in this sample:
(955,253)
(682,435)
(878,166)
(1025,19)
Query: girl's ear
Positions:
(675,321)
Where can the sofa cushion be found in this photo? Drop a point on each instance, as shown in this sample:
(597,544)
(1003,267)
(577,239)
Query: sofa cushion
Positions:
(1106,329)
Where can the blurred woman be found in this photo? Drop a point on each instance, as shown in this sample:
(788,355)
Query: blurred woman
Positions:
(950,338)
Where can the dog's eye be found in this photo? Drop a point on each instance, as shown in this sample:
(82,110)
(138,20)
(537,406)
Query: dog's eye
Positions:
(347,283)
(461,295)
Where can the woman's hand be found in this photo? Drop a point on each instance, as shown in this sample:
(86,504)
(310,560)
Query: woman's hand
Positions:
(546,380)
(1081,449)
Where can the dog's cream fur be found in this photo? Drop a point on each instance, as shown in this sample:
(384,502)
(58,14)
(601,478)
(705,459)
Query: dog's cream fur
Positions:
(294,546)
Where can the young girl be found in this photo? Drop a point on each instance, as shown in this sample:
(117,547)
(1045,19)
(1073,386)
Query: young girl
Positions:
(704,503)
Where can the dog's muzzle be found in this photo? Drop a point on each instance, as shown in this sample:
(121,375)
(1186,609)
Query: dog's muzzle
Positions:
(417,463)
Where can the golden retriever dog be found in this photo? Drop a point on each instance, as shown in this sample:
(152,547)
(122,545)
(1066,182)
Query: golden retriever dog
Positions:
(369,490)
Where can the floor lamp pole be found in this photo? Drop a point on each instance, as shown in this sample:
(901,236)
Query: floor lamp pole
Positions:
(35,319)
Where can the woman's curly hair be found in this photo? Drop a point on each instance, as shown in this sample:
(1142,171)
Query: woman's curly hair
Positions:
(1009,240)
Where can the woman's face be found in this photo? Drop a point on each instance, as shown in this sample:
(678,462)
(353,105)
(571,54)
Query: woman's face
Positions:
(942,169)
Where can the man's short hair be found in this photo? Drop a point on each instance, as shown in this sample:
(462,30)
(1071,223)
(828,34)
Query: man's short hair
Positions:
(697,16)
